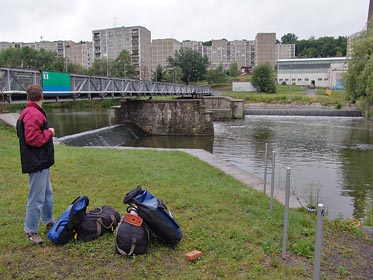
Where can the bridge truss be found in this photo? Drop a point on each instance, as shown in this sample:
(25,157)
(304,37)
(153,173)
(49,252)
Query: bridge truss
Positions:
(14,81)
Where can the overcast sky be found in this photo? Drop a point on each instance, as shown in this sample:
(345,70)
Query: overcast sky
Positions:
(200,20)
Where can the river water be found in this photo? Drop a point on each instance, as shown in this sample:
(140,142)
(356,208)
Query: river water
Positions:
(331,158)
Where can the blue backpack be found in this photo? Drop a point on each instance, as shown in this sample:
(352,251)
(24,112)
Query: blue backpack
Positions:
(65,227)
(155,215)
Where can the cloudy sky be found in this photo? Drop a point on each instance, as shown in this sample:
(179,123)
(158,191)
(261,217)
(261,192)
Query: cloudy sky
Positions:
(201,20)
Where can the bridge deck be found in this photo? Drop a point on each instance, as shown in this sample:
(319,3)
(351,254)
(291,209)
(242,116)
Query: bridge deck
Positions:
(14,81)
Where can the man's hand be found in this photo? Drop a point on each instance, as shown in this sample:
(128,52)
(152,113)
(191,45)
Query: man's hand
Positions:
(51,129)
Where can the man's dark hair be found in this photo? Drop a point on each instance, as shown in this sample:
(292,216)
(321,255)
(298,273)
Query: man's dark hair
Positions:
(34,92)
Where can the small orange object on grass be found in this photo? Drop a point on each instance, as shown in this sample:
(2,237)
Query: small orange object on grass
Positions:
(191,256)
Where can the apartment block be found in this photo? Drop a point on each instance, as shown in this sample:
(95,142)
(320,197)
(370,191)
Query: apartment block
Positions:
(79,53)
(109,43)
(6,45)
(285,51)
(197,46)
(54,46)
(265,49)
(162,49)
(225,52)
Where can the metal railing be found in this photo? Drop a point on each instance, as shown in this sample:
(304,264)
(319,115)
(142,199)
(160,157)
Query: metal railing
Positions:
(13,83)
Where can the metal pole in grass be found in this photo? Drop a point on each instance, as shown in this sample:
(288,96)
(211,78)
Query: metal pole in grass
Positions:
(286,216)
(318,242)
(265,166)
(273,179)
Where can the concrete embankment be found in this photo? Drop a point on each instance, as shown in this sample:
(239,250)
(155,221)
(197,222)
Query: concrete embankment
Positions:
(294,109)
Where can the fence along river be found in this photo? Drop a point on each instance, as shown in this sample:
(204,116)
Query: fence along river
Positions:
(331,157)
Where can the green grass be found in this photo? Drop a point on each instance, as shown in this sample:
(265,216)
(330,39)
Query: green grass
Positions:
(223,218)
(226,220)
(286,94)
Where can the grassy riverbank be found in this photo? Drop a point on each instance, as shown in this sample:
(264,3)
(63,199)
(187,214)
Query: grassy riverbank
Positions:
(228,221)
(290,94)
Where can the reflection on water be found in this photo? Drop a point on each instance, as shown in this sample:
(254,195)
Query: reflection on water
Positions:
(70,121)
(332,156)
(327,154)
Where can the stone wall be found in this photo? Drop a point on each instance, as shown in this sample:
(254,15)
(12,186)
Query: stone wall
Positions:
(169,117)
(224,108)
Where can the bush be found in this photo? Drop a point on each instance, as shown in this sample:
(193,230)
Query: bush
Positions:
(263,78)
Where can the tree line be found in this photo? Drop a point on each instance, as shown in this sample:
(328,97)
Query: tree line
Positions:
(321,47)
(42,59)
(359,77)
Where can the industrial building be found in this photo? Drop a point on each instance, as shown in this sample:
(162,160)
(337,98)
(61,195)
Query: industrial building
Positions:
(313,72)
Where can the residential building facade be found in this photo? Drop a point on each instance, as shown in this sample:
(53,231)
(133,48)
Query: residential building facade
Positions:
(54,46)
(109,43)
(6,45)
(79,53)
(285,51)
(265,49)
(161,50)
(225,52)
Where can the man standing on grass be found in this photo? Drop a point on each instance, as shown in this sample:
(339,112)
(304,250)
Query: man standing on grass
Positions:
(37,156)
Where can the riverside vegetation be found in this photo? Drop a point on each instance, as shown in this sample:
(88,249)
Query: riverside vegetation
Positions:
(225,219)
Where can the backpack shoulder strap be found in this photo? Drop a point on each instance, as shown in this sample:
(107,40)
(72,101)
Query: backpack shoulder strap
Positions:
(75,203)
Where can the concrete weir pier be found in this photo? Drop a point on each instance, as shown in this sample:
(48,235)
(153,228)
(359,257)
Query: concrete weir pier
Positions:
(179,117)
(168,117)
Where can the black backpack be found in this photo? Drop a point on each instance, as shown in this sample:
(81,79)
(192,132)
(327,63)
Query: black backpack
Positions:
(131,236)
(155,214)
(64,228)
(96,222)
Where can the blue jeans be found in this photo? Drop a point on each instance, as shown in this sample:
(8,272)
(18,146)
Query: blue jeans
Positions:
(40,201)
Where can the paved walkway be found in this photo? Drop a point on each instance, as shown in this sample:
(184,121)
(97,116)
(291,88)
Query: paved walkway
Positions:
(228,168)
(9,118)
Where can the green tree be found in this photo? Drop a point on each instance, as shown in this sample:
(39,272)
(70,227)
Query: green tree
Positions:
(233,69)
(76,69)
(160,74)
(122,66)
(11,57)
(321,47)
(263,78)
(216,76)
(359,77)
(173,75)
(289,38)
(99,67)
(192,64)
